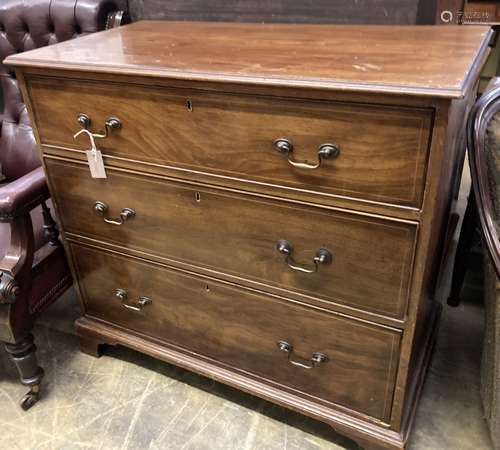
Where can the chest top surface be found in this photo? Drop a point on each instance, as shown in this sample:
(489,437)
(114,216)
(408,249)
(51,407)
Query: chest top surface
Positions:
(421,60)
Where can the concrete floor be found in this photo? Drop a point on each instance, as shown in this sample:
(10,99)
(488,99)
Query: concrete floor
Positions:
(126,400)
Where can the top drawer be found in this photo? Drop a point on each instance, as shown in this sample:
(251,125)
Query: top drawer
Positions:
(383,150)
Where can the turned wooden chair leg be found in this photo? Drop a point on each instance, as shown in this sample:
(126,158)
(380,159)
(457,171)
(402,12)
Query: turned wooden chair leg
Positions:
(23,354)
(465,241)
(50,226)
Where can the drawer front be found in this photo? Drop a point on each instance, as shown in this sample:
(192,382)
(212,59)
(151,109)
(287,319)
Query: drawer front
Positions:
(241,329)
(237,235)
(383,150)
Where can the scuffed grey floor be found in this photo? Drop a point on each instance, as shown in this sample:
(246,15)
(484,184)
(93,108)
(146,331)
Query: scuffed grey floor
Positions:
(126,400)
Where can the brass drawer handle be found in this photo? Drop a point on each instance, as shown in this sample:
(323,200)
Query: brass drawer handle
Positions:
(323,256)
(316,357)
(141,303)
(112,123)
(325,151)
(125,214)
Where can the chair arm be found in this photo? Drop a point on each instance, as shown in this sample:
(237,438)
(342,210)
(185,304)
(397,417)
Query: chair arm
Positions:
(480,116)
(22,195)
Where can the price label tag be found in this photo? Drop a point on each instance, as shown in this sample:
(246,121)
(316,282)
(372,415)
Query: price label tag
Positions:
(96,164)
(94,157)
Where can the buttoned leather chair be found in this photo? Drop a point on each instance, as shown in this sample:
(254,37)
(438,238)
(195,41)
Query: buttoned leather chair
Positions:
(33,268)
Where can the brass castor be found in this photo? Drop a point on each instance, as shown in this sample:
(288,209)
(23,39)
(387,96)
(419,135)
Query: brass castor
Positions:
(31,397)
(23,355)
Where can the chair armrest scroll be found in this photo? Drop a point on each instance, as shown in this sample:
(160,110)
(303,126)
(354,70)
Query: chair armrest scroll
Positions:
(22,195)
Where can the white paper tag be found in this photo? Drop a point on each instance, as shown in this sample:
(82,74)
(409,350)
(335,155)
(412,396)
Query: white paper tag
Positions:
(96,164)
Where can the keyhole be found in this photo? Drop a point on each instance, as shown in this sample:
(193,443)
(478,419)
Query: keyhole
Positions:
(189,105)
(207,288)
(197,197)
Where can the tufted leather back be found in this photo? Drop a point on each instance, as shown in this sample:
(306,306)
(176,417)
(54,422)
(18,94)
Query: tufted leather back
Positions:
(25,25)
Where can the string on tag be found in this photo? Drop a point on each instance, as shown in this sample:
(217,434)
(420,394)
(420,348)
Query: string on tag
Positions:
(94,156)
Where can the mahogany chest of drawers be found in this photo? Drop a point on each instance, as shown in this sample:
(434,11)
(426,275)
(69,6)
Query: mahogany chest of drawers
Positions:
(275,202)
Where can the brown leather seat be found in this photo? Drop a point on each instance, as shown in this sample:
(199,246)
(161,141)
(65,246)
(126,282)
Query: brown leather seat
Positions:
(33,268)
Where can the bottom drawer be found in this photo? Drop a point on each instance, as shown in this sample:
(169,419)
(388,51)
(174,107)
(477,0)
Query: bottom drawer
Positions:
(320,354)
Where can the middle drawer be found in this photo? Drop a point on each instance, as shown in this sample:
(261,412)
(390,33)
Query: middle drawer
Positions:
(331,256)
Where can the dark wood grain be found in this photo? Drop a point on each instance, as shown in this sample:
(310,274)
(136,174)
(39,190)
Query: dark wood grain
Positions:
(426,12)
(218,321)
(433,61)
(292,11)
(383,150)
(237,235)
